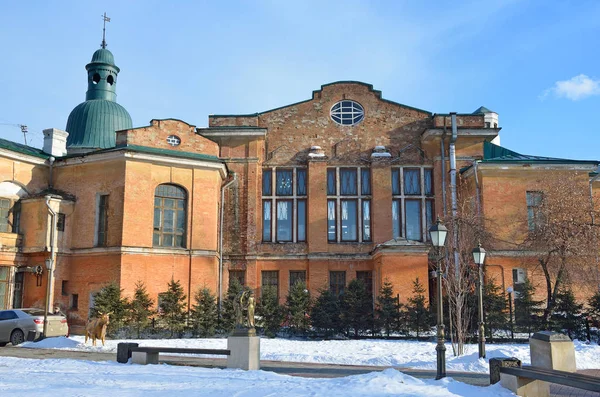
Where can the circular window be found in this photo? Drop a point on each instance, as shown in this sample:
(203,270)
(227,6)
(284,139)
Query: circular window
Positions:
(173,140)
(347,113)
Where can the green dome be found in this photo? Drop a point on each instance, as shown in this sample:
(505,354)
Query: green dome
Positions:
(92,124)
(103,56)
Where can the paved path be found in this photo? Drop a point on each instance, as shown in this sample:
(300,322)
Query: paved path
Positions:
(310,370)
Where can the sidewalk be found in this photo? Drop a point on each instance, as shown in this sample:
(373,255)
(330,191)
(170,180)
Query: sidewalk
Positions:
(309,370)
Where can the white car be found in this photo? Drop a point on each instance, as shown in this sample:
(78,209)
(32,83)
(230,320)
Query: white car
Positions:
(17,324)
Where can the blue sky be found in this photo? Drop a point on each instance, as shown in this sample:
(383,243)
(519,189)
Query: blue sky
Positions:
(536,63)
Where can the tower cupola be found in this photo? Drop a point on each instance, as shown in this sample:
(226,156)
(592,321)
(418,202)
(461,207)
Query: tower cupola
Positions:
(102,76)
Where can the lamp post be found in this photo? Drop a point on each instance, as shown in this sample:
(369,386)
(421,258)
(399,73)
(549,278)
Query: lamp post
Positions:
(510,311)
(438,233)
(49,267)
(479,258)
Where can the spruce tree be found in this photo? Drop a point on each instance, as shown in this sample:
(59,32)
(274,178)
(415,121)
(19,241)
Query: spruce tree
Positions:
(567,314)
(298,307)
(418,314)
(108,300)
(227,318)
(325,314)
(203,315)
(270,311)
(494,306)
(357,308)
(140,308)
(528,311)
(594,307)
(172,307)
(388,308)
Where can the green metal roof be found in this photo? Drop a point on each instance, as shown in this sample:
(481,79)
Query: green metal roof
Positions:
(93,124)
(483,110)
(103,56)
(23,149)
(152,150)
(497,154)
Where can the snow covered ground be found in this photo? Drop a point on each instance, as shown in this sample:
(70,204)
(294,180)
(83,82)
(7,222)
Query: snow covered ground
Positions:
(65,378)
(406,354)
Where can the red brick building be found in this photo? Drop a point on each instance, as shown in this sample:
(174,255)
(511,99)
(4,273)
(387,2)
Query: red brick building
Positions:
(340,186)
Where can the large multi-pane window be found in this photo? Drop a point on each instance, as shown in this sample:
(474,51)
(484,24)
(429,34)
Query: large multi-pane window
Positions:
(412,202)
(169,216)
(534,214)
(284,204)
(349,205)
(367,278)
(337,283)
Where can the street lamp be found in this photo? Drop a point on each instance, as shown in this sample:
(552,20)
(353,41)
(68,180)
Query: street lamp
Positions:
(438,233)
(479,258)
(510,311)
(49,266)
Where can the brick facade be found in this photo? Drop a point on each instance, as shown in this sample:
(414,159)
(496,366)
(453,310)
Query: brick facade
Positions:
(236,150)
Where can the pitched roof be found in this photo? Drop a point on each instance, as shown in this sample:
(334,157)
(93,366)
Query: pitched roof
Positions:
(482,110)
(23,149)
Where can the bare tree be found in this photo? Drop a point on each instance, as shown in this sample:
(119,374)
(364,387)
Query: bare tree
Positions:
(562,235)
(461,273)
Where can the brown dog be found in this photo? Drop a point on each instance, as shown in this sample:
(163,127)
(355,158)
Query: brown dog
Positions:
(96,328)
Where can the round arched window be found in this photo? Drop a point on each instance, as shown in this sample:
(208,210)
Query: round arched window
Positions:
(347,113)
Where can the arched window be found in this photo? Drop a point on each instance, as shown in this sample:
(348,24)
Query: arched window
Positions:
(169,216)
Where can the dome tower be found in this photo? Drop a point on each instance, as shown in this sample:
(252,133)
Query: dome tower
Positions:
(92,124)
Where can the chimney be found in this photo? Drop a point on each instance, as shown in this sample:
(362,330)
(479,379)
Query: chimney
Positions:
(55,142)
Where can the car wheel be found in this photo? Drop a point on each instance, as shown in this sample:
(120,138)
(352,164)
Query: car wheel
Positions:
(17,337)
(2,344)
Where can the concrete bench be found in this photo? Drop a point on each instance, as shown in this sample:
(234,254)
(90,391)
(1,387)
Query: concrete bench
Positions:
(524,380)
(149,355)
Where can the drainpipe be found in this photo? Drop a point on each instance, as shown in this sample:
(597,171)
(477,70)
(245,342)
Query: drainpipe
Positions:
(220,286)
(477,191)
(443,152)
(453,189)
(51,162)
(51,261)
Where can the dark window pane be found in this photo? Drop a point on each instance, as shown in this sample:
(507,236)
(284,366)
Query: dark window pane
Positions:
(167,240)
(270,279)
(331,224)
(284,182)
(395,181)
(429,214)
(156,238)
(180,221)
(412,182)
(367,278)
(60,222)
(267,179)
(348,182)
(267,220)
(301,182)
(169,203)
(239,275)
(366,216)
(301,220)
(284,220)
(331,190)
(365,181)
(169,216)
(337,283)
(178,240)
(102,220)
(428,182)
(297,277)
(349,220)
(396,219)
(413,220)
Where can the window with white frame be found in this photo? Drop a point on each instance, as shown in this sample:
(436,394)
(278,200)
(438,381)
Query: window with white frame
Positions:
(347,112)
(349,204)
(413,202)
(284,194)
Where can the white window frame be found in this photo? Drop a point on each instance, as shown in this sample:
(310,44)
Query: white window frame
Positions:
(402,198)
(359,197)
(294,198)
